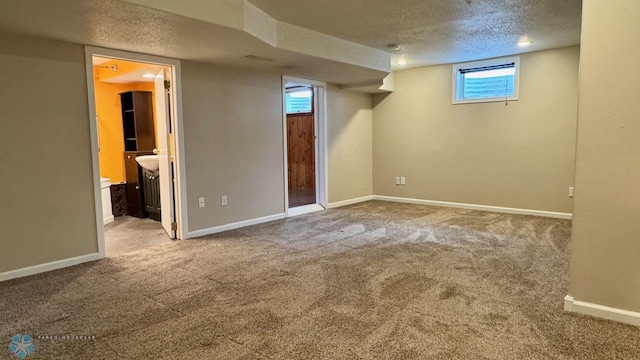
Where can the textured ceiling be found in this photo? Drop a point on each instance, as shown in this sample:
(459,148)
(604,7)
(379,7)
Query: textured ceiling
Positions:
(330,40)
(438,31)
(125,26)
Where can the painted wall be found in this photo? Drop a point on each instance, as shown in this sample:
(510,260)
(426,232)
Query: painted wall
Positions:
(46,196)
(349,137)
(519,156)
(605,267)
(233,140)
(233,143)
(109,114)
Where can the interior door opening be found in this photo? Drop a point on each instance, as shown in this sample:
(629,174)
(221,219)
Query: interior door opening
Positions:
(301,145)
(134,113)
(304,150)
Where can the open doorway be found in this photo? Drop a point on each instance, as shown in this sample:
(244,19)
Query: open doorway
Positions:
(134,115)
(304,125)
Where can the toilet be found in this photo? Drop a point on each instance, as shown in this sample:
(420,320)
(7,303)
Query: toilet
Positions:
(107,213)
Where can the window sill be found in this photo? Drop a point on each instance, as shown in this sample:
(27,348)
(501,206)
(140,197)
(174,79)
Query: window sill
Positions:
(487,100)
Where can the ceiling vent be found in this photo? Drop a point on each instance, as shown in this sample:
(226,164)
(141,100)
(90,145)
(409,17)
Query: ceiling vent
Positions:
(258,58)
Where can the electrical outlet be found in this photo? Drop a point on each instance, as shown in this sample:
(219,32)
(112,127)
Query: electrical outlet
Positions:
(223,200)
(570,191)
(397,180)
(403,181)
(201,202)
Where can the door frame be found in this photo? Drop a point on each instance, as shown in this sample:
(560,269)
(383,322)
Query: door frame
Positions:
(320,120)
(180,190)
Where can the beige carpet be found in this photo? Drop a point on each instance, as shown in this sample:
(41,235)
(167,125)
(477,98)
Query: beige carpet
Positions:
(371,281)
(127,234)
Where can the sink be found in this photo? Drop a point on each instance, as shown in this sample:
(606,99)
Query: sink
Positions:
(149,162)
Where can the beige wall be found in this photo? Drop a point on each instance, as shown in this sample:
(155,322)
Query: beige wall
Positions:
(233,143)
(233,146)
(520,155)
(349,132)
(46,195)
(605,261)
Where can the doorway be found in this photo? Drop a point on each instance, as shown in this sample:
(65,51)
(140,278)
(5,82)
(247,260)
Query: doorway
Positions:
(135,126)
(304,136)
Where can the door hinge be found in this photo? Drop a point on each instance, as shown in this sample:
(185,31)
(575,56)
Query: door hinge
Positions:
(167,84)
(174,226)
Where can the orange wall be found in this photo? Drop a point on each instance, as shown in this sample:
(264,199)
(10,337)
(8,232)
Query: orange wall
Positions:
(110,126)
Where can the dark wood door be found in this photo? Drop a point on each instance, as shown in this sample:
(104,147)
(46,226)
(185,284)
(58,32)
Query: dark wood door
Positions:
(301,157)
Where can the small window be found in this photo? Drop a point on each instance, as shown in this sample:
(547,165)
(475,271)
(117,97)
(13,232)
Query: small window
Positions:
(486,81)
(299,100)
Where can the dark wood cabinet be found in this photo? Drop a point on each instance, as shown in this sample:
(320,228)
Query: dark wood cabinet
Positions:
(135,184)
(139,139)
(151,185)
(137,120)
(118,199)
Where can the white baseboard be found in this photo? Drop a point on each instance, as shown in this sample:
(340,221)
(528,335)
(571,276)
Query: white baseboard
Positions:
(109,220)
(601,311)
(551,214)
(338,204)
(233,226)
(305,209)
(36,269)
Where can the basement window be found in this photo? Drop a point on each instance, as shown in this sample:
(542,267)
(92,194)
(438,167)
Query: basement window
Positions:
(299,100)
(486,81)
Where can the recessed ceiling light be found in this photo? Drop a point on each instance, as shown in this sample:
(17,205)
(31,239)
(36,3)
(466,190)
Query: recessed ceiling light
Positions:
(148,76)
(524,42)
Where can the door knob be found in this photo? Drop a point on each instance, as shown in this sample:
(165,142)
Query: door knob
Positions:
(156,151)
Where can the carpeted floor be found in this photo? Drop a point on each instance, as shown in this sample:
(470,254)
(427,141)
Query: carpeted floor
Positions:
(371,281)
(127,234)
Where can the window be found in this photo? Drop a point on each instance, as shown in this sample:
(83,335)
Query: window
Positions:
(299,100)
(486,81)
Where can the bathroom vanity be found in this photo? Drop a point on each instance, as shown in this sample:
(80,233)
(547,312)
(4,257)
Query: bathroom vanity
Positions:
(135,184)
(151,185)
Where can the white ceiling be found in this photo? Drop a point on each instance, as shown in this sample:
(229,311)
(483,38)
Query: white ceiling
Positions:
(340,41)
(127,26)
(124,74)
(438,31)
(133,77)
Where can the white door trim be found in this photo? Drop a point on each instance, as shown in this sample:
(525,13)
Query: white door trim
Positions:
(176,118)
(304,209)
(320,116)
(322,159)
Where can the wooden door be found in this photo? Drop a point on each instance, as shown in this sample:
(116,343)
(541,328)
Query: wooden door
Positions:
(301,158)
